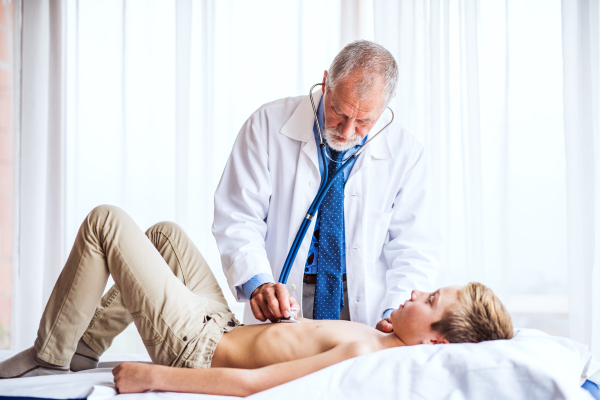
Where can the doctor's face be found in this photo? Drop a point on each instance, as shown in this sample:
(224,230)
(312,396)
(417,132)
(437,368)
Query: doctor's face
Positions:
(348,119)
(412,320)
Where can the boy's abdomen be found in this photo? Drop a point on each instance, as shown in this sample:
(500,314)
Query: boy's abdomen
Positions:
(256,346)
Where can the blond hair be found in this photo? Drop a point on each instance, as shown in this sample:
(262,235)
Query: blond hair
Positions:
(477,316)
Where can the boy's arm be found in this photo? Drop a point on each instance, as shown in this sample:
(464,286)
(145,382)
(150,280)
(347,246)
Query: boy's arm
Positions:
(136,377)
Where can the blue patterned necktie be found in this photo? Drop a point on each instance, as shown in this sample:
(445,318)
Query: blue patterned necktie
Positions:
(329,293)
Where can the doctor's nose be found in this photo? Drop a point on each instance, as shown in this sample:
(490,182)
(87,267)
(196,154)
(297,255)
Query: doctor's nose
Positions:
(348,129)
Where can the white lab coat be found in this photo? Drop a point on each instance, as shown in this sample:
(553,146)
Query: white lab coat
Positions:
(269,182)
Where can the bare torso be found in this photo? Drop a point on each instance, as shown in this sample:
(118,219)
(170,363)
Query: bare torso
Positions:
(256,346)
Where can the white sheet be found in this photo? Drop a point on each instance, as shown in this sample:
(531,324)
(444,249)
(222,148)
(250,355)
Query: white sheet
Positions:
(532,366)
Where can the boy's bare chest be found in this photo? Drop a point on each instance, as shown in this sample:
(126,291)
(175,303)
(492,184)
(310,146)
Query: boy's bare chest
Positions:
(257,346)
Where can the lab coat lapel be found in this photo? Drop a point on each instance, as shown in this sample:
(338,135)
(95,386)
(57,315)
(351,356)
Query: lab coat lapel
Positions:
(300,127)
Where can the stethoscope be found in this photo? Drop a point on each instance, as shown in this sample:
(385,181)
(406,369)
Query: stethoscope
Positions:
(323,188)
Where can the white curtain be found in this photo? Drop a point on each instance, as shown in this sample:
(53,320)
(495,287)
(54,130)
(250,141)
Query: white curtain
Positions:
(435,44)
(481,86)
(39,227)
(581,51)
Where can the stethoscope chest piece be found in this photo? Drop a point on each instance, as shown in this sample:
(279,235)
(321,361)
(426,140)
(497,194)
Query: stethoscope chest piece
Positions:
(292,317)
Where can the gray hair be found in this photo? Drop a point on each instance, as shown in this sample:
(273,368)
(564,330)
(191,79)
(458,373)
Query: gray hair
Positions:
(372,61)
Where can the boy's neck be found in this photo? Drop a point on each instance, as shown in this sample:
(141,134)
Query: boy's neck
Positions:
(390,340)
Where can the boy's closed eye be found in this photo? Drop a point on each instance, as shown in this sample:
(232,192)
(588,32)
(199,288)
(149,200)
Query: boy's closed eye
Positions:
(433,297)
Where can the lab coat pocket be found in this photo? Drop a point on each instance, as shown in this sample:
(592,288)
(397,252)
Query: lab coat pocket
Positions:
(376,231)
(158,349)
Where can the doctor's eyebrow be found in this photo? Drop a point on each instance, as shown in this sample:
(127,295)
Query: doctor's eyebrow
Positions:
(363,120)
(366,120)
(337,109)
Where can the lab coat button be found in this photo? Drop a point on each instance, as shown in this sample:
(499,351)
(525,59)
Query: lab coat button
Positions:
(311,183)
(293,287)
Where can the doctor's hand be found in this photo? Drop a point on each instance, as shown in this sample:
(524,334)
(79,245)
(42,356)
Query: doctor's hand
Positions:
(385,325)
(271,301)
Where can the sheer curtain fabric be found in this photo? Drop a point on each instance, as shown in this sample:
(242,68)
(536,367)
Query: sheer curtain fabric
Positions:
(39,189)
(581,51)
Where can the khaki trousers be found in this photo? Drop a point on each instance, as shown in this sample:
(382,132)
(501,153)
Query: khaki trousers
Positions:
(162,284)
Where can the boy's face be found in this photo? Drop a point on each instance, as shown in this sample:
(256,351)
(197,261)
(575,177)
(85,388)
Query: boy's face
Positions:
(412,320)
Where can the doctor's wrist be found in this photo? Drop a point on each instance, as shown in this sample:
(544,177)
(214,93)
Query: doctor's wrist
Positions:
(258,289)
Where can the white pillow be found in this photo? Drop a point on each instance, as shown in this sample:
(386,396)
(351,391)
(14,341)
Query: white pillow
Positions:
(589,366)
(533,365)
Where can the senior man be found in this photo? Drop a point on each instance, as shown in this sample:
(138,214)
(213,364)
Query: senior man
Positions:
(373,239)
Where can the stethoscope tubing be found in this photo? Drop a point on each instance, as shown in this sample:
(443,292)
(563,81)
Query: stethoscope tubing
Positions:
(291,257)
(323,188)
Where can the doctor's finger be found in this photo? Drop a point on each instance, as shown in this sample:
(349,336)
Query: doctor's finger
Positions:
(294,303)
(387,327)
(273,304)
(256,311)
(266,310)
(284,301)
(262,301)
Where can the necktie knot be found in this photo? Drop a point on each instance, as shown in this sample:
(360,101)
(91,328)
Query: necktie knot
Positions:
(335,162)
(337,155)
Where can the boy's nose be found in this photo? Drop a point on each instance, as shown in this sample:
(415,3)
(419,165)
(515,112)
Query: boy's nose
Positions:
(415,295)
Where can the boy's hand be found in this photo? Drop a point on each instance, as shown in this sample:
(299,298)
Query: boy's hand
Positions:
(385,325)
(272,302)
(133,377)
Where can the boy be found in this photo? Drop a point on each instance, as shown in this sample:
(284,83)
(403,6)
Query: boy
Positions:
(170,293)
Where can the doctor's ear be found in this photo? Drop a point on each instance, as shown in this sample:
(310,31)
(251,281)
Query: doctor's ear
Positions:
(324,79)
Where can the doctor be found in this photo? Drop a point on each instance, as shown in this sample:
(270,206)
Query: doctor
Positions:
(372,241)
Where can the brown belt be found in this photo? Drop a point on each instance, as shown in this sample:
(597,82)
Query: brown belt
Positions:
(311,279)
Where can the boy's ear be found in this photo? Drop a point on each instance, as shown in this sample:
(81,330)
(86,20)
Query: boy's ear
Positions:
(439,341)
(436,339)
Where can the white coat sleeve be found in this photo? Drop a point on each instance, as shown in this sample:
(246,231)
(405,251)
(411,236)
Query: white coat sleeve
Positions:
(241,208)
(412,252)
